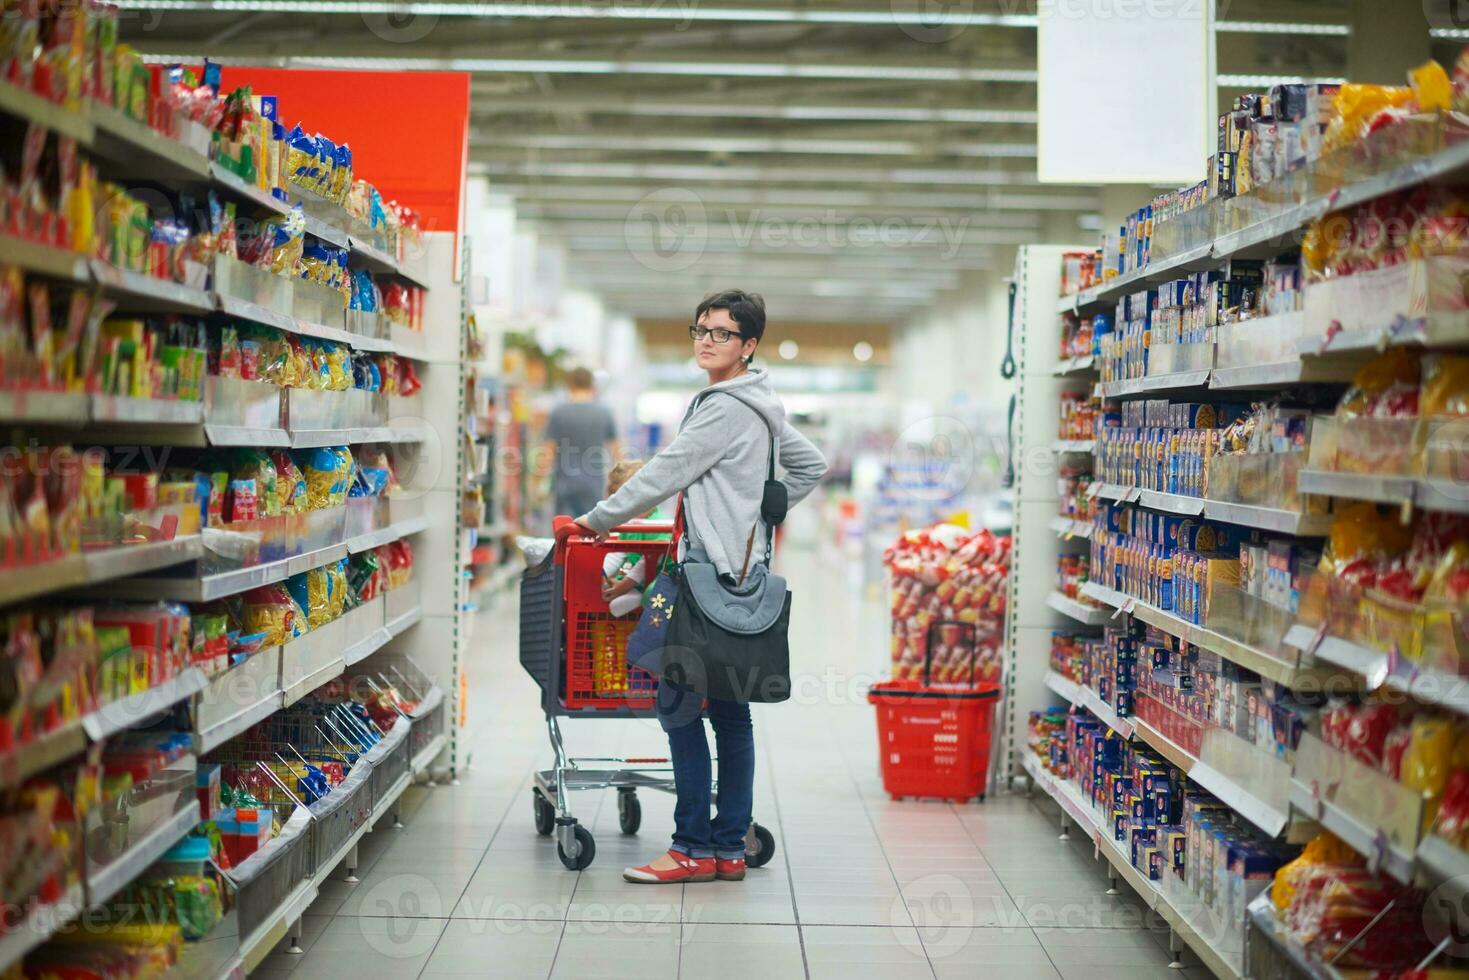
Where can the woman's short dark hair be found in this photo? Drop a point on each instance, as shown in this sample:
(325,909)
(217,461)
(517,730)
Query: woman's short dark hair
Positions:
(746,309)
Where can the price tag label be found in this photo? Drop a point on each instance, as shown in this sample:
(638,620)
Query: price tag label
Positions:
(1133,495)
(1316,808)
(1128,605)
(1379,852)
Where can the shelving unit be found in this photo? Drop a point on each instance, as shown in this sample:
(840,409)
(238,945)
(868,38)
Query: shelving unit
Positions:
(1309,348)
(1181,915)
(417,624)
(1079,611)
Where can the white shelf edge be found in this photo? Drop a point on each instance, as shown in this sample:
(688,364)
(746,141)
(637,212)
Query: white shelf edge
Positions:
(126,712)
(430,752)
(125,867)
(216,735)
(1084,614)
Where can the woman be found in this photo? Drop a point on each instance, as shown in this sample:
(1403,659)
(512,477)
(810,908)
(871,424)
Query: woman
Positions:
(718,460)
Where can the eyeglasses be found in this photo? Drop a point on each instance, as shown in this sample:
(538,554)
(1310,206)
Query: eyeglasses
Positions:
(719,334)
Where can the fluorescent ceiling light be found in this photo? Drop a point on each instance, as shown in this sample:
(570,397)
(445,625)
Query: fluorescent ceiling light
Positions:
(492,106)
(738,144)
(942,19)
(739,213)
(1278,27)
(1449,34)
(705,173)
(591,66)
(590,10)
(1265,81)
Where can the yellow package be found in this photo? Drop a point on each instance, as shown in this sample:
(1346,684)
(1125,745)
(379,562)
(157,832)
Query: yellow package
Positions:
(318,608)
(1396,367)
(1427,762)
(270,610)
(328,472)
(1445,386)
(1431,89)
(339,367)
(1356,104)
(1323,850)
(336,575)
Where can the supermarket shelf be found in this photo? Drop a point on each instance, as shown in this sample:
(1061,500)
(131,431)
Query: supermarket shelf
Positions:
(215,957)
(1282,374)
(1067,797)
(18,103)
(1268,236)
(1084,697)
(25,581)
(1063,686)
(1245,515)
(43,260)
(1171,503)
(1164,746)
(156,411)
(1181,381)
(77,570)
(399,624)
(1380,669)
(213,737)
(238,187)
(239,435)
(1078,809)
(374,258)
(1074,365)
(140,150)
(111,879)
(255,947)
(399,529)
(120,562)
(149,293)
(1239,799)
(430,752)
(1265,664)
(1266,927)
(1370,842)
(1110,491)
(366,647)
(1378,487)
(40,754)
(1082,613)
(205,588)
(137,708)
(1073,445)
(1269,518)
(1439,860)
(52,407)
(42,923)
(1068,528)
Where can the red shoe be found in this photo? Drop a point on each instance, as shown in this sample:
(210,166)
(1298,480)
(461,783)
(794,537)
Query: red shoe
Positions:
(689,869)
(729,869)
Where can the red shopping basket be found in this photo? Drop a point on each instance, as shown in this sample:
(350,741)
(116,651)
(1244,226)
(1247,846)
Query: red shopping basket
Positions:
(933,740)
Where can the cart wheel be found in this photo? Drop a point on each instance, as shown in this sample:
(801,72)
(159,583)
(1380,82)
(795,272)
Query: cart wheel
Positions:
(586,849)
(759,846)
(545,814)
(629,811)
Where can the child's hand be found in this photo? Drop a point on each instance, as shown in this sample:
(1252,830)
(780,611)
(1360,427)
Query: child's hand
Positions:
(615,589)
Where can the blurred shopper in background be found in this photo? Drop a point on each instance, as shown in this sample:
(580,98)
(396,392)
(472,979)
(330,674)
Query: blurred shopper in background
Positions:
(582,435)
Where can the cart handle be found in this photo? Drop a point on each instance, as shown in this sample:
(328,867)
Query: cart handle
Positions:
(563,529)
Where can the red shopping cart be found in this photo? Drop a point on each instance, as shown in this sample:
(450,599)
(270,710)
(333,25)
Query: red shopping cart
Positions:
(575,650)
(933,740)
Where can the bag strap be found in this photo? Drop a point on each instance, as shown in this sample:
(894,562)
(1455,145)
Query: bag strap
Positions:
(769,476)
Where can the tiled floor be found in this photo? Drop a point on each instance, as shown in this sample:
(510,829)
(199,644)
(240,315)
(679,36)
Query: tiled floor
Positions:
(860,887)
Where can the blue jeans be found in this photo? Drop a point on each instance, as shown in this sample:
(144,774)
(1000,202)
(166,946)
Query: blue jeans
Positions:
(694,833)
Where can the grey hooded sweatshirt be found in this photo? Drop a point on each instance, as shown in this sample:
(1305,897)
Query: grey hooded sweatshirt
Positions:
(719,459)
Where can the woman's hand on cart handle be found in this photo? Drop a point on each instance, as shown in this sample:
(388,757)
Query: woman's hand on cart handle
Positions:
(578,529)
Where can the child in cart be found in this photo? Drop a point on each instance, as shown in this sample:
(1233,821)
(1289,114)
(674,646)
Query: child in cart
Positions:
(625,574)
